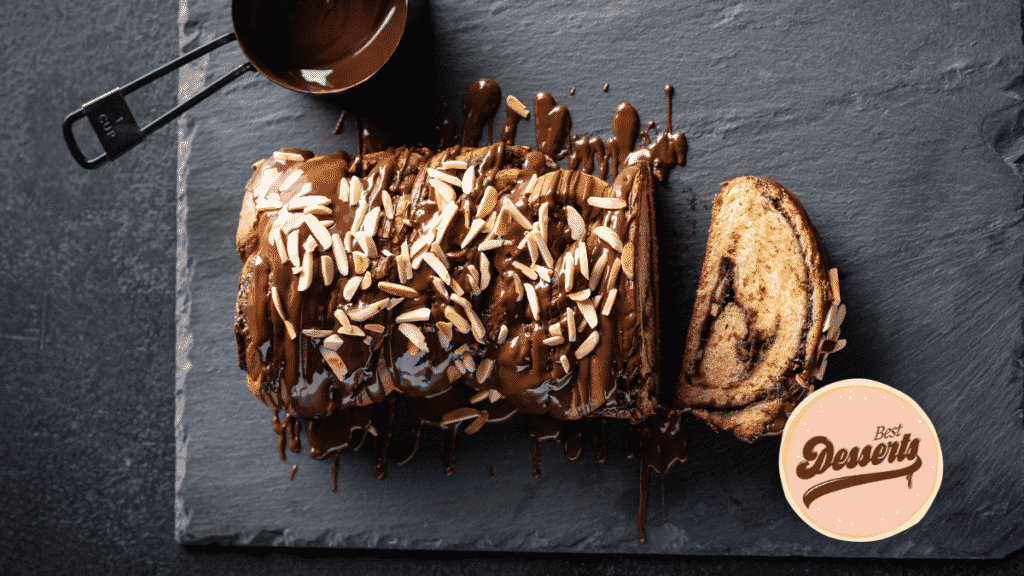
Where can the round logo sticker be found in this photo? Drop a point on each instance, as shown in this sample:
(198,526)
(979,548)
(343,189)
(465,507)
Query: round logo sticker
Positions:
(860,461)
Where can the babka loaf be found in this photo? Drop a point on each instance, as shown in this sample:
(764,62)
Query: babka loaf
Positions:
(766,316)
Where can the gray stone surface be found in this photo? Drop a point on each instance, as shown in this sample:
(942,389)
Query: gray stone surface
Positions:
(87,332)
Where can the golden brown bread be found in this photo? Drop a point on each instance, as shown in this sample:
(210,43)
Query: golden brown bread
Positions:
(758,339)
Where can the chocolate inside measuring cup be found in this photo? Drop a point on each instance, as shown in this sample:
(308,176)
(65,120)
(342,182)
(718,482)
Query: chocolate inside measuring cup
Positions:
(319,46)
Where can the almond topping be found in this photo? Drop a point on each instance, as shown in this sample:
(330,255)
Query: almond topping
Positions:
(367,281)
(515,105)
(355,191)
(833,278)
(293,248)
(833,332)
(292,178)
(458,415)
(627,260)
(370,222)
(564,361)
(276,298)
(490,244)
(453,373)
(606,203)
(421,243)
(483,370)
(502,334)
(485,272)
(570,320)
(469,363)
(576,224)
(530,186)
(569,268)
(389,205)
(444,192)
(607,308)
(613,273)
(317,333)
(342,318)
(444,177)
(417,315)
(477,424)
(439,287)
(398,289)
(581,295)
(392,302)
(588,345)
(366,243)
(335,362)
(438,267)
(310,244)
(595,274)
(318,210)
(413,333)
(351,330)
(444,329)
(376,328)
(554,341)
(474,229)
(360,262)
(582,259)
(454,165)
(446,219)
(608,235)
(350,287)
(364,313)
(518,282)
(589,313)
(542,223)
(339,254)
(531,297)
(306,275)
(487,203)
(343,191)
(300,202)
(327,269)
(479,396)
(288,156)
(510,208)
(265,205)
(460,323)
(332,342)
(531,244)
(468,178)
(526,270)
(357,220)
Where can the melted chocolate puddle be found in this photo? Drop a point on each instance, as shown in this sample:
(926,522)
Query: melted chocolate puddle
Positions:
(395,421)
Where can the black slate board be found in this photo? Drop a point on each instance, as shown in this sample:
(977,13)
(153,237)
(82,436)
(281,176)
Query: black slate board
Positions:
(881,118)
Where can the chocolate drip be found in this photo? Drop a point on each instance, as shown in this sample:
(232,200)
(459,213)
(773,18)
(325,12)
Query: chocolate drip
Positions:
(291,475)
(279,430)
(508,132)
(479,105)
(625,127)
(552,123)
(447,129)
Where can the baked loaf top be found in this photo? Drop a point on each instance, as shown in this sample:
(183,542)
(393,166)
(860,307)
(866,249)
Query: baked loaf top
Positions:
(473,276)
(766,315)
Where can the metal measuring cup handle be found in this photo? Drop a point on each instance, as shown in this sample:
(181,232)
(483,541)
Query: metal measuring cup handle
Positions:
(113,121)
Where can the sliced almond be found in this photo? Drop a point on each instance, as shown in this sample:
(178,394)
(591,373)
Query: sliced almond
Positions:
(351,287)
(588,345)
(443,190)
(357,220)
(582,259)
(291,179)
(487,203)
(564,361)
(477,424)
(502,334)
(335,362)
(417,315)
(595,274)
(367,281)
(613,273)
(518,283)
(530,187)
(446,219)
(627,260)
(468,180)
(460,323)
(454,165)
(327,269)
(490,244)
(515,105)
(437,267)
(415,335)
(610,236)
(310,244)
(355,191)
(526,270)
(392,302)
(570,321)
(444,329)
(458,415)
(508,207)
(421,244)
(388,204)
(576,224)
(342,318)
(485,272)
(439,287)
(340,258)
(589,313)
(265,205)
(479,396)
(276,299)
(469,363)
(332,342)
(343,191)
(531,244)
(364,313)
(398,289)
(352,330)
(444,177)
(293,248)
(360,262)
(833,278)
(370,222)
(288,156)
(317,210)
(542,224)
(366,243)
(606,203)
(609,302)
(301,202)
(317,333)
(531,297)
(453,372)
(483,370)
(474,229)
(375,328)
(554,341)
(580,295)
(833,332)
(569,268)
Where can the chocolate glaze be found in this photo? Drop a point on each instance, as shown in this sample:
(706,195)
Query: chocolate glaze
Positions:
(391,388)
(479,106)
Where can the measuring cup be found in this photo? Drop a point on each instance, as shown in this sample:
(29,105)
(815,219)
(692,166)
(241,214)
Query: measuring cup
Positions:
(311,46)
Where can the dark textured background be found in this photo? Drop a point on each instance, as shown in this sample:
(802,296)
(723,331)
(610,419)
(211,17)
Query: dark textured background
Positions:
(87,293)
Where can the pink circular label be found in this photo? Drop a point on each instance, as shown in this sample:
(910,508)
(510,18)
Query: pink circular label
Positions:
(860,461)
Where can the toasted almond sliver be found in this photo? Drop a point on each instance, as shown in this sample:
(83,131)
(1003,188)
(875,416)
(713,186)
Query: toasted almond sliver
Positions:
(370,222)
(485,272)
(316,332)
(392,302)
(351,287)
(582,259)
(460,323)
(414,334)
(545,253)
(301,202)
(508,207)
(609,302)
(531,297)
(610,236)
(595,274)
(277,239)
(530,187)
(343,191)
(323,237)
(569,269)
(421,244)
(627,260)
(355,191)
(458,415)
(293,248)
(454,165)
(364,313)
(833,332)
(444,177)
(398,289)
(446,219)
(474,229)
(444,329)
(318,210)
(531,243)
(564,360)
(542,223)
(830,317)
(477,424)
(389,205)
(340,257)
(351,330)
(526,270)
(332,341)
(375,328)
(469,363)
(444,191)
(437,267)
(838,346)
(342,317)
(576,224)
(357,220)
(468,180)
(360,262)
(483,370)
(570,320)
(292,178)
(367,281)
(833,278)
(589,313)
(588,345)
(335,362)
(310,244)
(276,298)
(266,204)
(306,275)
(502,334)
(439,287)
(554,341)
(580,295)
(288,156)
(327,269)
(417,315)
(613,273)
(453,373)
(479,396)
(490,244)
(487,203)
(606,203)
(516,105)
